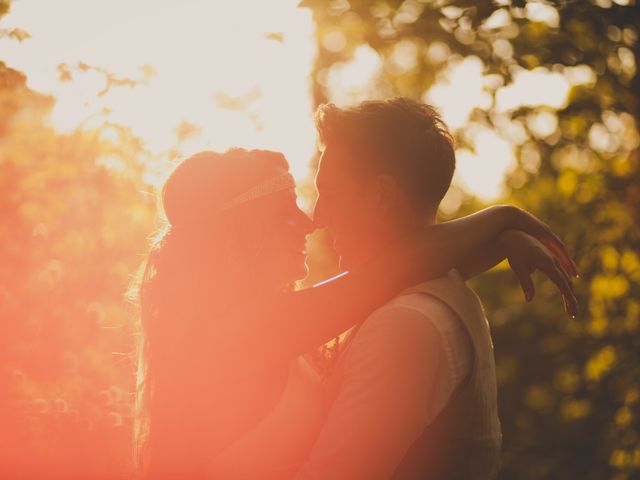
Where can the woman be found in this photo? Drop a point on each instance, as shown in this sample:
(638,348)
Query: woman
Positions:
(223,389)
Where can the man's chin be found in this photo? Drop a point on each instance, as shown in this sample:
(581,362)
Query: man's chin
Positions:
(346,262)
(348,258)
(351,259)
(299,272)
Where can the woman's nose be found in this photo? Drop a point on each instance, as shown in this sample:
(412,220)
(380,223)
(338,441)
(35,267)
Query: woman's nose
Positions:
(302,222)
(306,223)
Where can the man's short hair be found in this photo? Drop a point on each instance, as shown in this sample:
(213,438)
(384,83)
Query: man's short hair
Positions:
(400,137)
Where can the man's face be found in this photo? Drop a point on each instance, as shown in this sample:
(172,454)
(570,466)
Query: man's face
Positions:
(346,206)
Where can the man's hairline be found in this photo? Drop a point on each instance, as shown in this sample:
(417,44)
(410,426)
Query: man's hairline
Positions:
(430,211)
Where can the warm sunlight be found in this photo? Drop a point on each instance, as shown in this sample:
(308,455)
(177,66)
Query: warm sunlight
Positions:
(460,88)
(213,74)
(460,268)
(209,80)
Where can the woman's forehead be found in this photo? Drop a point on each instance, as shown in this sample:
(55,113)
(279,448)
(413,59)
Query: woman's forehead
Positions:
(284,197)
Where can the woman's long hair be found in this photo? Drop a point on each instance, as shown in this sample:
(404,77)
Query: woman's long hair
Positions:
(196,270)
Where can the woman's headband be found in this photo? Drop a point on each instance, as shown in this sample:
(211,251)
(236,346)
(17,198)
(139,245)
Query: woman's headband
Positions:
(268,187)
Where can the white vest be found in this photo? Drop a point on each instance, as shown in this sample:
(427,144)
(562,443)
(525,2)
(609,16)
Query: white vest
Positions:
(464,440)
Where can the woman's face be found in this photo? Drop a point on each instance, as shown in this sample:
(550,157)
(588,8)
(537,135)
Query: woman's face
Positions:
(285,237)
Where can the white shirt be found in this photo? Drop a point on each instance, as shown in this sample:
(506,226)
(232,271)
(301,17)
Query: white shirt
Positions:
(399,373)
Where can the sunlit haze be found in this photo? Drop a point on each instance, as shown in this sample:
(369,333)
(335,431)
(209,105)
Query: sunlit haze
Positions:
(237,72)
(218,74)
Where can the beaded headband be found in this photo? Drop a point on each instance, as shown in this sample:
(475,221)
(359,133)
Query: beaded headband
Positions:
(272,185)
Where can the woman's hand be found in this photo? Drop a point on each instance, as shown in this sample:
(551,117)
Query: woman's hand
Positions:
(518,219)
(527,254)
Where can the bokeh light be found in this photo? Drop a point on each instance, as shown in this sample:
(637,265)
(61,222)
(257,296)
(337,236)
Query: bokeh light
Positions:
(211,76)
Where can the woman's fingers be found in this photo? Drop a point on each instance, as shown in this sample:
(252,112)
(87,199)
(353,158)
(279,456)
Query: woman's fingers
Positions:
(570,301)
(555,274)
(524,277)
(540,230)
(559,249)
(565,274)
(553,260)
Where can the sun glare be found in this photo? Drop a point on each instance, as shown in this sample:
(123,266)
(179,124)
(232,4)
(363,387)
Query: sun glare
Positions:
(216,74)
(212,74)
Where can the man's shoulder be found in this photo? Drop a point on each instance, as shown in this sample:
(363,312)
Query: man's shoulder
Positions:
(401,328)
(452,280)
(450,289)
(411,312)
(431,309)
(422,297)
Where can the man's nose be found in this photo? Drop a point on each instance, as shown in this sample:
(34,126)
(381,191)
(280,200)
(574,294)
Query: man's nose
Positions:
(306,223)
(301,223)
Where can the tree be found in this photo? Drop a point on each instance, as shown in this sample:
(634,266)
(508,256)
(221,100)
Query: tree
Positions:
(568,388)
(75,221)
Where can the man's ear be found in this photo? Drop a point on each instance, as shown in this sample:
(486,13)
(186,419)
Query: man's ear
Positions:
(388,192)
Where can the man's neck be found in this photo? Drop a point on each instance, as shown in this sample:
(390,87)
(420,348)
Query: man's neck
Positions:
(386,239)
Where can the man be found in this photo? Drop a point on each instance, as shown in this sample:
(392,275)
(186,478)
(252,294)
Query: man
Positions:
(413,393)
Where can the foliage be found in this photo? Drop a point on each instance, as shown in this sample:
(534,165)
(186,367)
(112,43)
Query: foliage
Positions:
(569,388)
(65,350)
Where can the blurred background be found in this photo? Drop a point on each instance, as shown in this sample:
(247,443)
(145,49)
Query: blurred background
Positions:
(99,99)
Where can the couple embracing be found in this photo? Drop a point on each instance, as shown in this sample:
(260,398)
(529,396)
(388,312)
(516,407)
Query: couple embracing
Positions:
(228,383)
